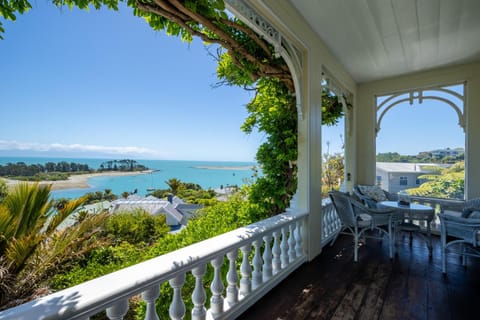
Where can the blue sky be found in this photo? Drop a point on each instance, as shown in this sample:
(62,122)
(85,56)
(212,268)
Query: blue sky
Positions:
(103,84)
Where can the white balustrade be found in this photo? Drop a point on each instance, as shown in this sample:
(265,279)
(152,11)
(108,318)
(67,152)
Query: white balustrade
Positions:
(150,296)
(113,291)
(291,244)
(257,265)
(118,310)
(284,247)
(199,295)
(246,271)
(232,278)
(177,307)
(216,301)
(276,262)
(267,259)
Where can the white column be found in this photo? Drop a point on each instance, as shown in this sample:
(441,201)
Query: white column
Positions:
(150,296)
(277,263)
(257,265)
(118,310)
(267,258)
(177,307)
(232,278)
(216,301)
(199,295)
(246,271)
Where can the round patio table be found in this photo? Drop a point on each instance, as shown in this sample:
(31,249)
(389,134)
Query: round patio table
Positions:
(407,214)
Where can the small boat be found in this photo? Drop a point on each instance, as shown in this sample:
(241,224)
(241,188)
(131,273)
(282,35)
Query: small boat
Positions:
(150,189)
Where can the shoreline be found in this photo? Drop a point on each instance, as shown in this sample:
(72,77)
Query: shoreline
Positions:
(76,181)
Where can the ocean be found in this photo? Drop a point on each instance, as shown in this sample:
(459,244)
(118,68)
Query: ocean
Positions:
(208,174)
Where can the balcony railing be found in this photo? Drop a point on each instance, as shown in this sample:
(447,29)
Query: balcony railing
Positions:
(270,250)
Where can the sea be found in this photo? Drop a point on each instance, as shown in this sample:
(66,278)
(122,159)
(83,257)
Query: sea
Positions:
(208,174)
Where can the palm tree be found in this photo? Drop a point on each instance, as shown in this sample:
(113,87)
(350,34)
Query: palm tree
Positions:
(32,246)
(175,185)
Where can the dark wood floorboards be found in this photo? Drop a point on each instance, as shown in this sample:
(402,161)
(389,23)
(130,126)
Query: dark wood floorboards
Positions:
(411,286)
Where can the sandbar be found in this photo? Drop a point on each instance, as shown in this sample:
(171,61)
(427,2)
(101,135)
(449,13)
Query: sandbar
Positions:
(78,181)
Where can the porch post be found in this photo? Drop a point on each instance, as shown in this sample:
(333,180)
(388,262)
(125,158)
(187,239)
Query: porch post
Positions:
(364,136)
(472,134)
(310,155)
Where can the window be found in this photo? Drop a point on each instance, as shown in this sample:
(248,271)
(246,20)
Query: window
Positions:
(418,181)
(403,181)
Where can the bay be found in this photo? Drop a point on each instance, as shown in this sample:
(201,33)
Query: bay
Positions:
(208,174)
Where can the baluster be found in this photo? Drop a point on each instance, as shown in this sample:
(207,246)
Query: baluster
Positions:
(118,310)
(299,247)
(284,247)
(216,301)
(150,295)
(257,265)
(267,258)
(232,278)
(199,295)
(177,307)
(246,271)
(277,264)
(291,243)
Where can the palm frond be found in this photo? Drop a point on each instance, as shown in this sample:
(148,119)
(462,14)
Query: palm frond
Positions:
(64,213)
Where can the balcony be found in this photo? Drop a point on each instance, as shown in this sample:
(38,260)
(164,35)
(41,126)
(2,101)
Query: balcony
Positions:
(266,263)
(411,286)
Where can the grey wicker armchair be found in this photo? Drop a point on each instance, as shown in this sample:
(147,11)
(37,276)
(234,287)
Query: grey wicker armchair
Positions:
(357,219)
(371,195)
(461,228)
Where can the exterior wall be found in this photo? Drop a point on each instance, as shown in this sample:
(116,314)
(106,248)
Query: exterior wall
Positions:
(365,118)
(394,181)
(315,57)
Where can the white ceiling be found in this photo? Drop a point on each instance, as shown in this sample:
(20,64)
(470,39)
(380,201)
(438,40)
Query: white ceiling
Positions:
(375,39)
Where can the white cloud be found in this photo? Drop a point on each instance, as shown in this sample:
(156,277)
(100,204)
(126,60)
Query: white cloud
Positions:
(58,147)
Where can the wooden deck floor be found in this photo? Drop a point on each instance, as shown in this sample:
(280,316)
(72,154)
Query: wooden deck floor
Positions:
(411,286)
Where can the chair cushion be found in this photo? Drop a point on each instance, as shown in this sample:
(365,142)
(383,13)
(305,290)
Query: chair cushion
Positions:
(474,215)
(452,213)
(374,192)
(364,220)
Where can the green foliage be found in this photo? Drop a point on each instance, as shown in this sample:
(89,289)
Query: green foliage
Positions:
(100,262)
(274,112)
(3,189)
(137,226)
(445,183)
(332,172)
(33,247)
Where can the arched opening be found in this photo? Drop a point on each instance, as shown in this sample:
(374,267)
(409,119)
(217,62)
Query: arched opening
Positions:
(421,142)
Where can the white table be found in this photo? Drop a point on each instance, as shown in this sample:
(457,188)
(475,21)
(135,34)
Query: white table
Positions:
(408,214)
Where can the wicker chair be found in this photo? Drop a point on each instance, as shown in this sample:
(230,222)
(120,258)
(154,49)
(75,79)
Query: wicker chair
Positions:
(357,219)
(371,201)
(461,228)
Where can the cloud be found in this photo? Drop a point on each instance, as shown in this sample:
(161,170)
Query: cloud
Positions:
(68,148)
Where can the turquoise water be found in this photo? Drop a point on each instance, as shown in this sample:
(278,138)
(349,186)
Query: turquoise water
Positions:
(231,173)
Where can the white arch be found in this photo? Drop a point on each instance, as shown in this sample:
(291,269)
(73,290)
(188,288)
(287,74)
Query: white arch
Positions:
(282,46)
(418,94)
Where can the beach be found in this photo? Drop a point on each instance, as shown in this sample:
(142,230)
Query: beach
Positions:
(78,181)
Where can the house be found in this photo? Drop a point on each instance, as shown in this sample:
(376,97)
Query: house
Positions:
(402,50)
(175,210)
(397,176)
(442,153)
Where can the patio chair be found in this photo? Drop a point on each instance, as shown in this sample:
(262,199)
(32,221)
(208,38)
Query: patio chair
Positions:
(357,219)
(370,195)
(461,228)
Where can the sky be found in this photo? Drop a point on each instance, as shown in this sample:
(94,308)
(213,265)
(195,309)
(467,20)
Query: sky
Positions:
(103,84)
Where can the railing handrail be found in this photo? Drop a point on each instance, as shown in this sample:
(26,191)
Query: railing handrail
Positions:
(80,301)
